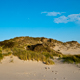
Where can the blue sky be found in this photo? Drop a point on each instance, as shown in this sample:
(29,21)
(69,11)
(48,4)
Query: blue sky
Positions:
(57,19)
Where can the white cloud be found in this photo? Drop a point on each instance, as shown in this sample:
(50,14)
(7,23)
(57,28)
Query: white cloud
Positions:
(52,13)
(70,18)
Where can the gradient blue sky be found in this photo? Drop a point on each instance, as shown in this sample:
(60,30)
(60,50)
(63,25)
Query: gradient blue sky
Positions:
(57,19)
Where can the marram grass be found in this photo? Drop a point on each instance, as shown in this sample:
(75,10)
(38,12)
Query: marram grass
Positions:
(71,58)
(31,55)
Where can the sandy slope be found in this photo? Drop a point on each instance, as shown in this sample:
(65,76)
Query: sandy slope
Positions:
(64,50)
(12,68)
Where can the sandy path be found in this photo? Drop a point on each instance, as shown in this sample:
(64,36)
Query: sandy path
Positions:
(33,70)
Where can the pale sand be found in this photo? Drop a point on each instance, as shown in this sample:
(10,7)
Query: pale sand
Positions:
(33,70)
(67,51)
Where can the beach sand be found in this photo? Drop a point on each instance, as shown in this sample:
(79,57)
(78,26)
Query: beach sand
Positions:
(12,68)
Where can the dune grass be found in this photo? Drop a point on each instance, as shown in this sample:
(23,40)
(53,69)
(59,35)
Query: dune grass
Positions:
(31,55)
(1,57)
(71,58)
(9,53)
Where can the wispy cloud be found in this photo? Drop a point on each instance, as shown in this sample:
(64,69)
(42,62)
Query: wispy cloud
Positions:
(70,18)
(52,13)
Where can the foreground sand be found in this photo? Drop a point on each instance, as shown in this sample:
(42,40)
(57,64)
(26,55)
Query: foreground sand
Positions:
(12,68)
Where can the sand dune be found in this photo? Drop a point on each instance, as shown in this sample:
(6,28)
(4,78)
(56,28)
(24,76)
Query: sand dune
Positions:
(11,68)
